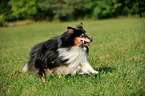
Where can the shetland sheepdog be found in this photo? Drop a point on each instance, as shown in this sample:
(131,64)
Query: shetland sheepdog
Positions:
(64,54)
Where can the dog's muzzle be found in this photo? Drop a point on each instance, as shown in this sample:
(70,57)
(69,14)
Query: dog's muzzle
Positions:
(84,43)
(91,39)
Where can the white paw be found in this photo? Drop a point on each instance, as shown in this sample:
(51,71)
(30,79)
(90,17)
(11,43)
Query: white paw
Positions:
(95,72)
(84,73)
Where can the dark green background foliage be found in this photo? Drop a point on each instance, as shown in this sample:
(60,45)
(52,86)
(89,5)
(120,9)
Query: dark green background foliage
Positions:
(11,10)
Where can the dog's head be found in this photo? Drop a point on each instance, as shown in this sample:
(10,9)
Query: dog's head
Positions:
(75,37)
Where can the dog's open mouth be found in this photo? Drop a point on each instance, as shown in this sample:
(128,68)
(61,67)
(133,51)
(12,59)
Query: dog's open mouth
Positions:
(83,43)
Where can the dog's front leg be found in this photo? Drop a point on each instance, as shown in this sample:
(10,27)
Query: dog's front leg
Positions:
(86,69)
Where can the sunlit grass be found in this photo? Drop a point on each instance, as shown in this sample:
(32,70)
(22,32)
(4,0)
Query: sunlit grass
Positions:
(117,52)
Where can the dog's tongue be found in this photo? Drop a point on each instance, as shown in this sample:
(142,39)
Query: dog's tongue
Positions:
(83,43)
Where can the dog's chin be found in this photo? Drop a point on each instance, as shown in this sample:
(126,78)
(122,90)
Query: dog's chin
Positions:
(82,45)
(87,44)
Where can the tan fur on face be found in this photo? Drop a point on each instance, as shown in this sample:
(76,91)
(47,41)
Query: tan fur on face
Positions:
(77,40)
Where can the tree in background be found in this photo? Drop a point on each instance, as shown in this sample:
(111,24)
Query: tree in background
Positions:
(106,9)
(4,11)
(63,9)
(22,9)
(133,7)
(12,10)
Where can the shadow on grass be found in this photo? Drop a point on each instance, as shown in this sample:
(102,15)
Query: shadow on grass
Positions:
(105,69)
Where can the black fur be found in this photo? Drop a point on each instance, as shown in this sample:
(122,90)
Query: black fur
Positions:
(45,55)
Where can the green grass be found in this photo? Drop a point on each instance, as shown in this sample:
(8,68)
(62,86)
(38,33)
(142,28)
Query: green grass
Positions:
(117,52)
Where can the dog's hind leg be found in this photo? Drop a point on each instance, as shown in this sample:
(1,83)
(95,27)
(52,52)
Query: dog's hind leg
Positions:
(61,70)
(42,74)
(42,78)
(58,72)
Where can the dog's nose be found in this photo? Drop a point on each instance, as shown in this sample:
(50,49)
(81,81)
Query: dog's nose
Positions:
(91,39)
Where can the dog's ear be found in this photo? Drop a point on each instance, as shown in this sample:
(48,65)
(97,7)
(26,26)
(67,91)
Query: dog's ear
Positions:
(80,26)
(70,29)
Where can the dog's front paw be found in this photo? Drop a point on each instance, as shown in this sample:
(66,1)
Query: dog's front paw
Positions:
(95,72)
(84,73)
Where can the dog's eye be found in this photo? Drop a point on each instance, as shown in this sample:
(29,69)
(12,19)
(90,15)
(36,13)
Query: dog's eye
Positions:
(83,35)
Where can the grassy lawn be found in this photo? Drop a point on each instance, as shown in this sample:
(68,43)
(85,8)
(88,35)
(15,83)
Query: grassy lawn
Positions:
(117,52)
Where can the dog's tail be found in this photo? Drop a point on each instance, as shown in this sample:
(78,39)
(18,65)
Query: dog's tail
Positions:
(25,69)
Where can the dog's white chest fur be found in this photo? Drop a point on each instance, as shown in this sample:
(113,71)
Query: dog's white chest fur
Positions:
(75,55)
(77,59)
